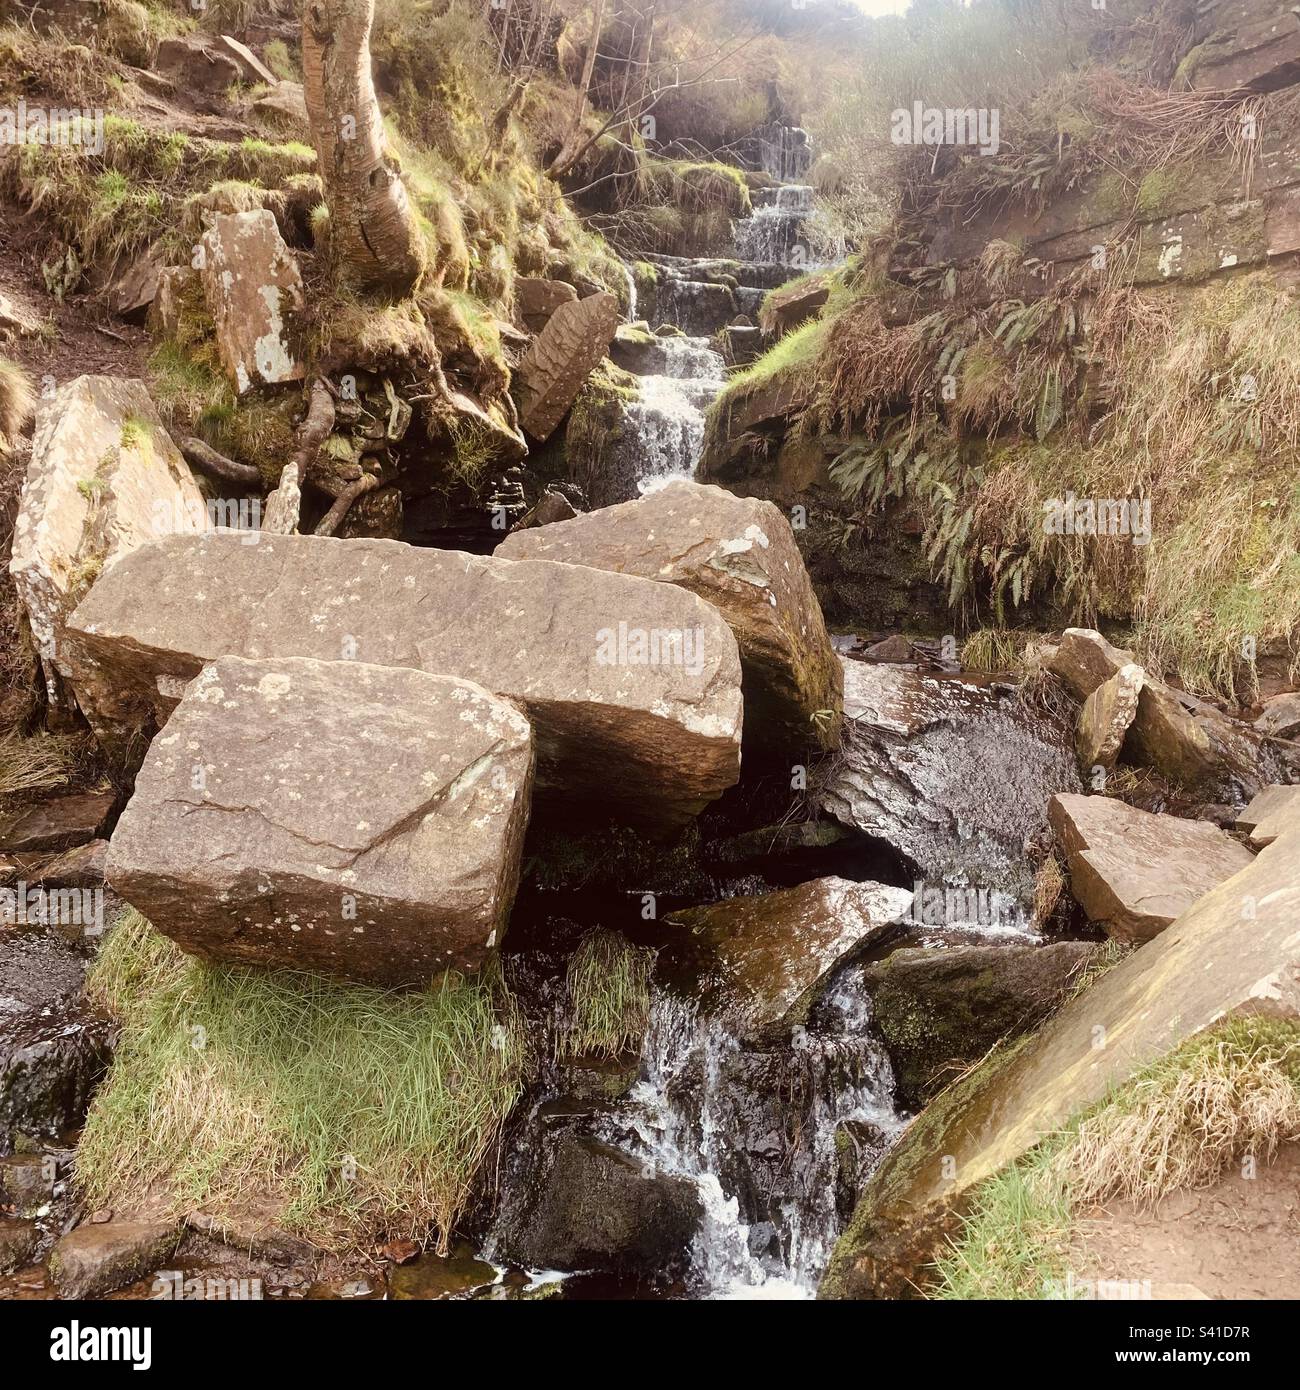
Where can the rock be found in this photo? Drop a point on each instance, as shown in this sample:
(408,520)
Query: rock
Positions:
(1270,813)
(285,107)
(18,1243)
(791,305)
(1235,951)
(1106,716)
(174,281)
(563,355)
(252,1235)
(1281,717)
(194,66)
(616,733)
(252,287)
(94,1260)
(103,478)
(17,317)
(1259,52)
(955,773)
(59,823)
(490,428)
(1194,745)
(251,67)
(24,1184)
(134,292)
(795,847)
(376,515)
(536,300)
(759,962)
(52,1049)
(1084,659)
(894,648)
(1134,872)
(593,1207)
(283,508)
(740,555)
(356,820)
(940,1011)
(82,867)
(551,507)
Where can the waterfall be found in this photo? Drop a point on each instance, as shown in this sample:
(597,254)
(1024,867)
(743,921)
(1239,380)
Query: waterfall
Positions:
(777,233)
(667,418)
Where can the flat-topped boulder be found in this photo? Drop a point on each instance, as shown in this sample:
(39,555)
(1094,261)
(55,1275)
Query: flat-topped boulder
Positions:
(356,820)
(1134,872)
(758,961)
(632,687)
(1272,812)
(739,553)
(103,478)
(1235,951)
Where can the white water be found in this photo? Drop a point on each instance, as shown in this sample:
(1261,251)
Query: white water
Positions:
(667,418)
(777,233)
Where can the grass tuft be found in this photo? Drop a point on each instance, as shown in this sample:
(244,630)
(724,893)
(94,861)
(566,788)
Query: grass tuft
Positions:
(41,763)
(608,989)
(17,402)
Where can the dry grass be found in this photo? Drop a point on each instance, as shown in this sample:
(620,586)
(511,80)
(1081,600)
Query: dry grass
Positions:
(608,995)
(42,763)
(17,402)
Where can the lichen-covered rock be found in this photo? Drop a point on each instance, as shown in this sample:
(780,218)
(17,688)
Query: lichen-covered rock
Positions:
(1134,872)
(357,820)
(939,1011)
(104,477)
(563,355)
(537,299)
(633,688)
(1106,716)
(757,962)
(740,555)
(95,1259)
(1084,659)
(1235,951)
(1195,746)
(252,287)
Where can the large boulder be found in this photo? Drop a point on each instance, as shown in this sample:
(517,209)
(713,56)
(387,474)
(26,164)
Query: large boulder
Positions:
(1195,745)
(362,821)
(758,962)
(1236,951)
(953,773)
(103,478)
(575,338)
(940,1011)
(740,555)
(253,288)
(1106,716)
(1084,659)
(1269,814)
(633,688)
(1134,872)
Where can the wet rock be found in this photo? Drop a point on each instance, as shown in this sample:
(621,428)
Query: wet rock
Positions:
(252,287)
(26,1183)
(103,478)
(894,648)
(617,733)
(740,555)
(537,299)
(563,354)
(593,1207)
(94,1260)
(759,962)
(59,823)
(1106,716)
(1270,814)
(53,1050)
(458,1275)
(18,1244)
(1134,872)
(1211,965)
(939,1011)
(1084,659)
(357,820)
(795,848)
(955,774)
(1281,717)
(1194,745)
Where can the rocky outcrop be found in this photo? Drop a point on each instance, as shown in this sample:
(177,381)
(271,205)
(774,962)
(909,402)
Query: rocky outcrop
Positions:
(1106,716)
(1194,745)
(258,835)
(1269,814)
(1133,872)
(1210,965)
(954,773)
(940,1011)
(740,555)
(633,688)
(104,477)
(1084,659)
(758,962)
(97,1258)
(576,336)
(52,1049)
(253,288)
(537,299)
(593,1207)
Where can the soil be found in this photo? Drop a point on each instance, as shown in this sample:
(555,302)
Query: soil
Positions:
(1236,1239)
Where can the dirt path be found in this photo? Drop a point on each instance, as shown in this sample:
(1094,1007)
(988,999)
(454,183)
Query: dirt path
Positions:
(1237,1239)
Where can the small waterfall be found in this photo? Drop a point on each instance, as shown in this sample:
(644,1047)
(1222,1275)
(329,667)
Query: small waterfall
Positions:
(630,316)
(666,421)
(777,233)
(704,1109)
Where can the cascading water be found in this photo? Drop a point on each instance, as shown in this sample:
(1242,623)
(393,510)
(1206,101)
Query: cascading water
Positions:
(779,232)
(667,419)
